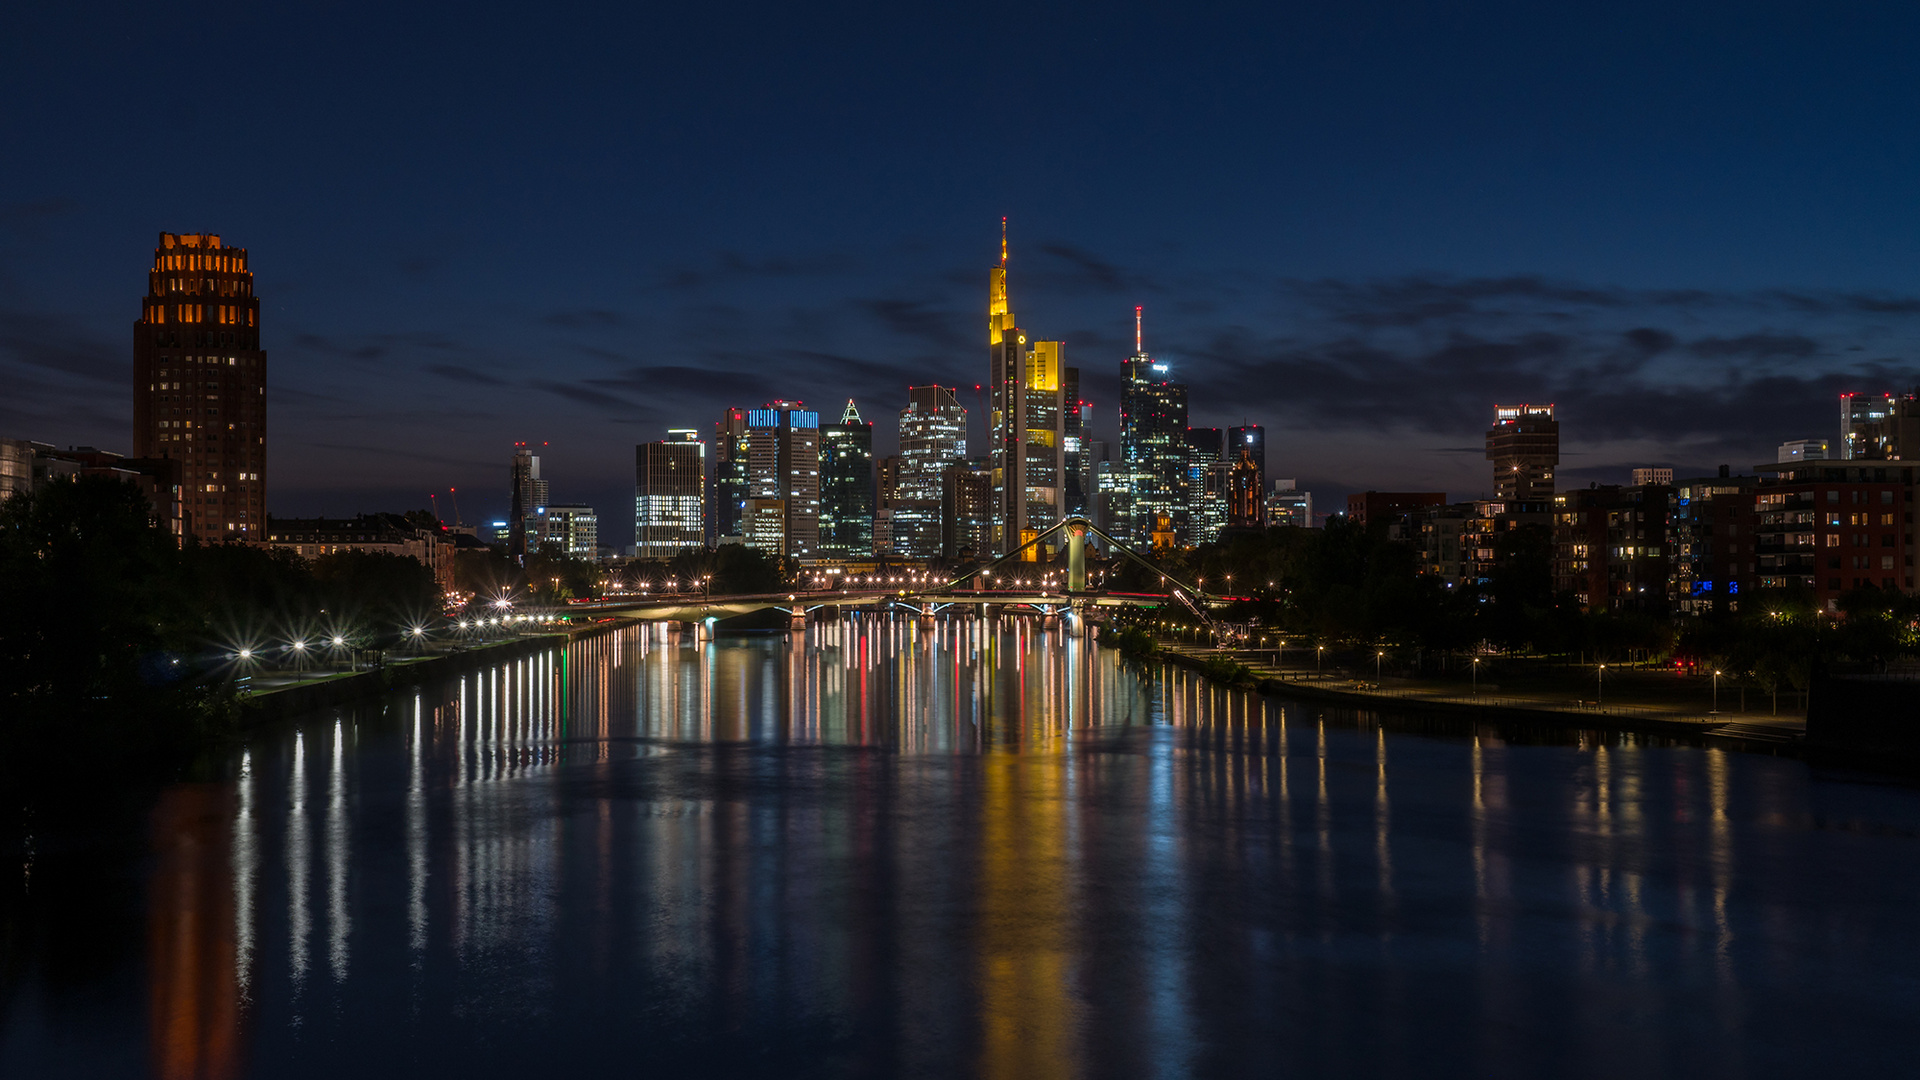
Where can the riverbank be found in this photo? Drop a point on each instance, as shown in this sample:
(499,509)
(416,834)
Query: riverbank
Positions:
(268,705)
(1756,732)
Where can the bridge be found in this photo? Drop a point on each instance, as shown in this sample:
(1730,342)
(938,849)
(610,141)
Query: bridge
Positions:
(968,590)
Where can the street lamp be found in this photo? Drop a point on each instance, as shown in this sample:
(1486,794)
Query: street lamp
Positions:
(1600,686)
(1377,657)
(1476,675)
(1716,693)
(1319,657)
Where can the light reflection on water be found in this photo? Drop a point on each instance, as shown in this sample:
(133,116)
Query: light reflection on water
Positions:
(967,848)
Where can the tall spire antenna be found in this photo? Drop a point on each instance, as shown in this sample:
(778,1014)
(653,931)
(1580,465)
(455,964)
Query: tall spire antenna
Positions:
(1137,348)
(1003,241)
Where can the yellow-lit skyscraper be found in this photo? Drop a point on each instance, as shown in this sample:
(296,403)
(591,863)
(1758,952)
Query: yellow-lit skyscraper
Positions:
(1027,437)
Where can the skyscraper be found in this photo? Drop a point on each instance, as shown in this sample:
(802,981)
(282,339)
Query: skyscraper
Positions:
(200,383)
(846,487)
(1246,501)
(1028,426)
(933,436)
(1253,439)
(730,469)
(669,495)
(783,451)
(1153,444)
(1524,446)
(527,509)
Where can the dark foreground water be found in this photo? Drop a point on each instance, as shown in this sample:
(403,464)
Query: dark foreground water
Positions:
(893,850)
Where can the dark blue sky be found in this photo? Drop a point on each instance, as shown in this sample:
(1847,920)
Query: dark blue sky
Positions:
(1689,225)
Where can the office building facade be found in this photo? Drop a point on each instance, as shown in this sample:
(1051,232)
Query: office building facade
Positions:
(1153,446)
(1027,425)
(847,487)
(200,379)
(669,495)
(933,437)
(730,468)
(783,464)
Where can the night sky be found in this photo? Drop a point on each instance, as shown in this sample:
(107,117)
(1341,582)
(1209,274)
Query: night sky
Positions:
(1690,226)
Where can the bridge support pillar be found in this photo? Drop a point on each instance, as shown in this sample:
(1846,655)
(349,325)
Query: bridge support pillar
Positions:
(702,630)
(798,618)
(1076,558)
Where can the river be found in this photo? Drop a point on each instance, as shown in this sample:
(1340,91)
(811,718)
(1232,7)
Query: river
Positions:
(965,849)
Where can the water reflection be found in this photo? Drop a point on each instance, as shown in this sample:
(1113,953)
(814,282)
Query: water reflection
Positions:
(962,847)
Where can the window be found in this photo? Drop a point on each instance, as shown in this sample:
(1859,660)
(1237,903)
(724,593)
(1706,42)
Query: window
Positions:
(1833,539)
(1833,497)
(1886,497)
(1886,562)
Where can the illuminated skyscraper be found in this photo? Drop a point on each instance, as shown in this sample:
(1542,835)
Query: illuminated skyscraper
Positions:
(1253,439)
(783,448)
(730,467)
(526,514)
(1153,445)
(846,487)
(669,495)
(933,437)
(200,384)
(1028,427)
(1524,446)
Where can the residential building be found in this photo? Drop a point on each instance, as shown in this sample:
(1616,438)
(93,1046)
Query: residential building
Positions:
(846,487)
(161,480)
(391,534)
(200,383)
(1826,528)
(1611,546)
(1646,476)
(1715,543)
(1524,446)
(1385,507)
(669,495)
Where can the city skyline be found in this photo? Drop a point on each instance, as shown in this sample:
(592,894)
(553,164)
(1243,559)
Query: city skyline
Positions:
(1335,256)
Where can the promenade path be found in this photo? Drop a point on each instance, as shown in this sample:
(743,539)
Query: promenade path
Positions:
(1632,695)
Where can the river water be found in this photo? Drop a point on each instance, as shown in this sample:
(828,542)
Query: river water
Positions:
(893,849)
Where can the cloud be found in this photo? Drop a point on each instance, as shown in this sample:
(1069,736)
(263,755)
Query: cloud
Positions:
(915,319)
(64,344)
(1756,346)
(583,395)
(465,375)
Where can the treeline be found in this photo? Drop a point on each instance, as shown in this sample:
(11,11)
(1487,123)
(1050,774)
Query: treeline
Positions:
(116,639)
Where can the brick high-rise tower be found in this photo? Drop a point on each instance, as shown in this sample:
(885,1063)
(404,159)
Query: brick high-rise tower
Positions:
(200,379)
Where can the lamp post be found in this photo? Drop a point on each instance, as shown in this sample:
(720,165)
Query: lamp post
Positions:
(1319,658)
(1600,686)
(1377,657)
(1716,694)
(1476,675)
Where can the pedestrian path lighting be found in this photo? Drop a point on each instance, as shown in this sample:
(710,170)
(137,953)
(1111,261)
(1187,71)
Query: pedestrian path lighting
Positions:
(1716,693)
(1476,675)
(1600,686)
(1319,657)
(1377,657)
